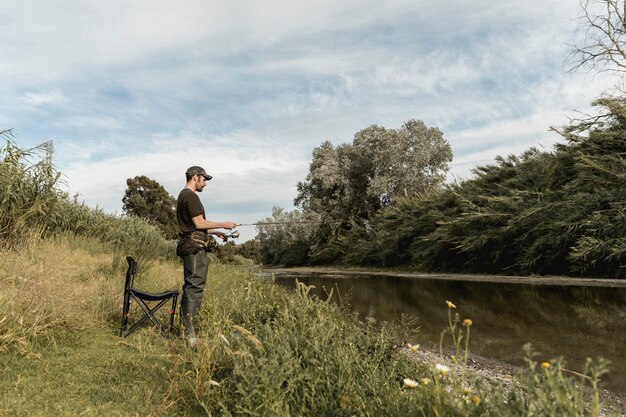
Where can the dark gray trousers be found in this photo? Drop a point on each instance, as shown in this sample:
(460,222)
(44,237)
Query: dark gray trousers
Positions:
(196,268)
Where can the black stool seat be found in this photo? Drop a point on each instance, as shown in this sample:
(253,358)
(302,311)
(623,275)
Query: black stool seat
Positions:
(148,296)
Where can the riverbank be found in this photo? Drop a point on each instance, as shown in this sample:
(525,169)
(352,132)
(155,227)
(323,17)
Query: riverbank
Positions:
(500,279)
(572,322)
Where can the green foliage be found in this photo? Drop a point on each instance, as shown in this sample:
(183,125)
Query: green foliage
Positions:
(232,254)
(348,184)
(559,212)
(28,190)
(354,181)
(549,392)
(30,200)
(265,350)
(287,237)
(250,249)
(273,352)
(146,198)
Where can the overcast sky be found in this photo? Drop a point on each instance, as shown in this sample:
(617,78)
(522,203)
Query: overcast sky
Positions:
(248,89)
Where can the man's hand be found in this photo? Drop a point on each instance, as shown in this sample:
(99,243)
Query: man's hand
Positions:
(219,234)
(230,225)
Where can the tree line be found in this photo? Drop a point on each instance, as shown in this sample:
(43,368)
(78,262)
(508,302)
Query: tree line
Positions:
(541,212)
(381,201)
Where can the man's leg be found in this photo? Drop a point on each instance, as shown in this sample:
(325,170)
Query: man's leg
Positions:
(196,268)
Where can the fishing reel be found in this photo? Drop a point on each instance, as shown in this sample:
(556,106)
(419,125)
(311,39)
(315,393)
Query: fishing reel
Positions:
(232,233)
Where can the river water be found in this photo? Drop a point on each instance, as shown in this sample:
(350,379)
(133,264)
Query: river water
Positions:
(572,322)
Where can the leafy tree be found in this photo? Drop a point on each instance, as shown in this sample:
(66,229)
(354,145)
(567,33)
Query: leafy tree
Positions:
(349,183)
(146,198)
(285,239)
(250,249)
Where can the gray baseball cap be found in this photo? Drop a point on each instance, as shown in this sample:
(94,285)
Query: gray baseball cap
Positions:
(196,170)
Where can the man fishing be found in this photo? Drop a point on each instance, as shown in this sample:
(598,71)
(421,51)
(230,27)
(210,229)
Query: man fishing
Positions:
(196,239)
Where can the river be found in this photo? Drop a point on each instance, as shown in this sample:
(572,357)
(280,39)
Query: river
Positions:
(574,322)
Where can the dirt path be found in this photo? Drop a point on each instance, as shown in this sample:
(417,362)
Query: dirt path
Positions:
(503,279)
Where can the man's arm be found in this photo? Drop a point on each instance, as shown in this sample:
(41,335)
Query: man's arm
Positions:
(208,225)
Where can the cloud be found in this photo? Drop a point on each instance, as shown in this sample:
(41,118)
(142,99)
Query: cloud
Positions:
(33,99)
(239,175)
(248,89)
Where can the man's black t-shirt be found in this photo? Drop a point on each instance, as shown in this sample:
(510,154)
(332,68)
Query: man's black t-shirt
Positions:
(188,206)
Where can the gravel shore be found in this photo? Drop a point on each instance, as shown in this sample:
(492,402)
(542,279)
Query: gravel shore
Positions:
(505,374)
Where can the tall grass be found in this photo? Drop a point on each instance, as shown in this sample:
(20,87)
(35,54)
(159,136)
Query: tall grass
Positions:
(32,203)
(27,191)
(64,285)
(57,254)
(267,351)
(50,289)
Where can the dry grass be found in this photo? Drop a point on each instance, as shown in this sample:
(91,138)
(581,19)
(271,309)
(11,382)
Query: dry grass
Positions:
(60,307)
(55,286)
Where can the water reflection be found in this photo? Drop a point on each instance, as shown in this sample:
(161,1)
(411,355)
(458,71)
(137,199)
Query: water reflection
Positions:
(574,322)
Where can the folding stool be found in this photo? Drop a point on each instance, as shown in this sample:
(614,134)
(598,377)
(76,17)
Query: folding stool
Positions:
(142,298)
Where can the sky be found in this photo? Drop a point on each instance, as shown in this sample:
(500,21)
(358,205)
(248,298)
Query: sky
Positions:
(247,89)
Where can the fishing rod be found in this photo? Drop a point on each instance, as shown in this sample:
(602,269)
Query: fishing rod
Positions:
(233,233)
(263,223)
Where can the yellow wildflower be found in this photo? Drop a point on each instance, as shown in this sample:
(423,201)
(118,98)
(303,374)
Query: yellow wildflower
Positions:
(450,304)
(467,322)
(475,399)
(413,348)
(545,365)
(425,381)
(442,369)
(410,383)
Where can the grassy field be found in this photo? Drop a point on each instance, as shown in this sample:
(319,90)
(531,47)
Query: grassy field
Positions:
(264,351)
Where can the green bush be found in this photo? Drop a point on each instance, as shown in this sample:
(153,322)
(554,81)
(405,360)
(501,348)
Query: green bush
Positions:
(559,212)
